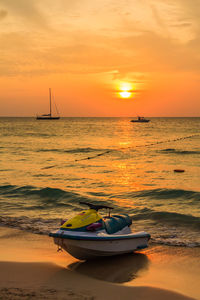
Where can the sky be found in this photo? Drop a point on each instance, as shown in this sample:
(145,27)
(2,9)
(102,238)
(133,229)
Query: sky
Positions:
(101,58)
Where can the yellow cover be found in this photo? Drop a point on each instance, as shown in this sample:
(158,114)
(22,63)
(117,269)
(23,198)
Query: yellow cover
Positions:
(86,217)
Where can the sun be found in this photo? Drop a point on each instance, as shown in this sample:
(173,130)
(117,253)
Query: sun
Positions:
(125,90)
(125,94)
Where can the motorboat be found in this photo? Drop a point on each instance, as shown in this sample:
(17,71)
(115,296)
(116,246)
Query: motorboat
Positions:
(140,120)
(88,235)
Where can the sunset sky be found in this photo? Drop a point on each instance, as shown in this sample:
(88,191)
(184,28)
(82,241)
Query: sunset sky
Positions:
(100,57)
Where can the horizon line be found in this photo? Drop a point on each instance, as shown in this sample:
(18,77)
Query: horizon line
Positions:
(105,116)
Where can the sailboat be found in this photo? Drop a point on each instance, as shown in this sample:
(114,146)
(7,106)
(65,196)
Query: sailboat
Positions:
(49,116)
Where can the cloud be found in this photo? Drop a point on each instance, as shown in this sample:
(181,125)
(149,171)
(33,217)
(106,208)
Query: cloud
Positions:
(125,47)
(3,14)
(27,10)
(183,25)
(88,53)
(157,17)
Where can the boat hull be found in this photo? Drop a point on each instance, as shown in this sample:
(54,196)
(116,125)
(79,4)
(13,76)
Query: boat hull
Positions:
(85,249)
(48,118)
(137,121)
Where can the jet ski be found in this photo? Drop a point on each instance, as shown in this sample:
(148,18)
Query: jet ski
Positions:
(88,235)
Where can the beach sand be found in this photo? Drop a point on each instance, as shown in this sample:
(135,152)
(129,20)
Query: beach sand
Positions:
(31,268)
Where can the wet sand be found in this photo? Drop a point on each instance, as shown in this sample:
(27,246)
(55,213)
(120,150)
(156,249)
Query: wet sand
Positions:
(31,268)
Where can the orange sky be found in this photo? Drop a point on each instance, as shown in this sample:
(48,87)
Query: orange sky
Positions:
(88,50)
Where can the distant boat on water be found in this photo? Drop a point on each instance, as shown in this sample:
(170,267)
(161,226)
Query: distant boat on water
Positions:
(49,116)
(140,120)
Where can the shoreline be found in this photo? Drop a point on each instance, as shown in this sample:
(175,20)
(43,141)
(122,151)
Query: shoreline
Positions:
(30,268)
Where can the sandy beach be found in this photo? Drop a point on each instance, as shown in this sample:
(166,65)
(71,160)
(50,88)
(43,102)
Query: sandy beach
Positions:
(31,268)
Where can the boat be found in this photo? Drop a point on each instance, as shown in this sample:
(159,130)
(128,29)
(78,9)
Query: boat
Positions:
(49,116)
(140,120)
(88,235)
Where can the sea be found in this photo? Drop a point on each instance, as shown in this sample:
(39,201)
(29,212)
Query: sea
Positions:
(48,167)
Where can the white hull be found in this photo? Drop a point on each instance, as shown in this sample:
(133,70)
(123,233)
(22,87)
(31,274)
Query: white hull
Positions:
(89,249)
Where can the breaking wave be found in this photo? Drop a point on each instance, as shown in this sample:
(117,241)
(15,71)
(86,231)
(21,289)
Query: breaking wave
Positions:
(166,227)
(162,235)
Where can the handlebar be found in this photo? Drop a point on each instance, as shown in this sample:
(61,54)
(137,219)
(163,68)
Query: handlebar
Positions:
(96,207)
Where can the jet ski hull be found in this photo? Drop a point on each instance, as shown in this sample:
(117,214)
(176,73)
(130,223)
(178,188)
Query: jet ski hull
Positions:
(92,246)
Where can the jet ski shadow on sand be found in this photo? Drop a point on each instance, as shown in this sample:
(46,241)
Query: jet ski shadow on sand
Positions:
(116,269)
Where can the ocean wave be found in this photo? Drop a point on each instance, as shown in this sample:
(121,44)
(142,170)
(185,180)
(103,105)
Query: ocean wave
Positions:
(29,198)
(34,225)
(12,190)
(164,194)
(55,195)
(48,196)
(177,151)
(170,218)
(73,151)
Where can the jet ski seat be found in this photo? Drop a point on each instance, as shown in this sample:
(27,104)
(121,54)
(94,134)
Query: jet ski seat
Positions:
(116,223)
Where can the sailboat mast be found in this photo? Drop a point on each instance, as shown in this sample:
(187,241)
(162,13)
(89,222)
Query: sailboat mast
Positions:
(50,100)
